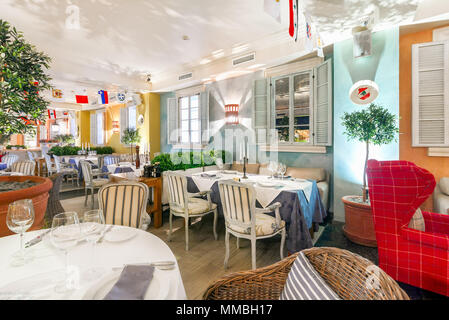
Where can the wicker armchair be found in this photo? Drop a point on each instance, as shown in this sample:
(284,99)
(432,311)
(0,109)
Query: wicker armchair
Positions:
(345,272)
(54,205)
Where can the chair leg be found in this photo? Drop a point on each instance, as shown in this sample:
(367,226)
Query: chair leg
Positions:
(171,226)
(282,243)
(215,224)
(253,253)
(227,249)
(85,199)
(187,233)
(238,243)
(93,194)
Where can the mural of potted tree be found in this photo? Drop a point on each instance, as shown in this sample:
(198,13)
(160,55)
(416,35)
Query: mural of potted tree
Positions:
(374,125)
(23,75)
(131,137)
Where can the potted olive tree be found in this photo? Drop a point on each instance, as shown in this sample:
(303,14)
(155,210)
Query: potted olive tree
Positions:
(23,76)
(131,137)
(373,125)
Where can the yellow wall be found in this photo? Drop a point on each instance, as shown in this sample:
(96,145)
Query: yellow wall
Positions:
(149,131)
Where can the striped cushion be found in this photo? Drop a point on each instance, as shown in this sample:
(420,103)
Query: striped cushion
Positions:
(123,204)
(25,167)
(304,283)
(417,221)
(265,225)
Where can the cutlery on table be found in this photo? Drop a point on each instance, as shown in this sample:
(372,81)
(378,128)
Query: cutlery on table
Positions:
(37,239)
(105,231)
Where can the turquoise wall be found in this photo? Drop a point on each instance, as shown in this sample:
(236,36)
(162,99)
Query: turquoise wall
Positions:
(383,68)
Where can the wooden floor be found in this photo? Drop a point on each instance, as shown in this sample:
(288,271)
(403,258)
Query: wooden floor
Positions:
(203,263)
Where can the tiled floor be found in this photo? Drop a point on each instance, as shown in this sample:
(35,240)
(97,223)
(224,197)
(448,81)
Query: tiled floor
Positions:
(203,263)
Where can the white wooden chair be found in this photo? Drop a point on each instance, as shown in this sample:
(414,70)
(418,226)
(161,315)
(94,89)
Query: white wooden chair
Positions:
(51,167)
(25,167)
(9,159)
(125,204)
(89,182)
(66,169)
(186,205)
(244,220)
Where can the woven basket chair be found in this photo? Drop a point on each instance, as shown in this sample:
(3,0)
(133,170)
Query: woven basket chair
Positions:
(54,205)
(345,272)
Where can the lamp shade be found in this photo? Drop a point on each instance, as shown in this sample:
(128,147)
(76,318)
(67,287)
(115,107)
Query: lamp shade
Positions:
(232,113)
(115,127)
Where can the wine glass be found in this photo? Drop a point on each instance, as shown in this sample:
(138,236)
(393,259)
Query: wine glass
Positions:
(92,228)
(65,233)
(273,167)
(282,170)
(19,219)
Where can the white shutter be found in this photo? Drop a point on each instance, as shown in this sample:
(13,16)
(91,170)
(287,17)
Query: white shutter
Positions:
(322,86)
(93,128)
(123,121)
(204,107)
(430,92)
(172,121)
(261,115)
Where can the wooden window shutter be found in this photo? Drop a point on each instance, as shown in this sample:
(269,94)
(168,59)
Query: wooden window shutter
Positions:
(204,107)
(261,115)
(172,121)
(322,85)
(430,93)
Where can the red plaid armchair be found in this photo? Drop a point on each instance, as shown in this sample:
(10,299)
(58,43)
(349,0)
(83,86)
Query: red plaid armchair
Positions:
(421,259)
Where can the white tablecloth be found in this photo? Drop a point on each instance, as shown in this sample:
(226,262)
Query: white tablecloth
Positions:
(113,167)
(143,248)
(94,159)
(265,195)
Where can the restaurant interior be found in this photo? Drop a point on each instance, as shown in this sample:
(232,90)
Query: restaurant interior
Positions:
(224,150)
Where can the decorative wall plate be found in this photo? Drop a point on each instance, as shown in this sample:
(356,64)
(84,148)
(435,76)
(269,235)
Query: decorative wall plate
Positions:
(364,92)
(140,120)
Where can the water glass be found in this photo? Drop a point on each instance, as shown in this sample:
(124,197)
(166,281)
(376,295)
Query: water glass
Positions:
(19,219)
(282,170)
(65,234)
(92,228)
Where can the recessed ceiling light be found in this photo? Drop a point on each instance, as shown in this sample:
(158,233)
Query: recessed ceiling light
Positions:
(185,37)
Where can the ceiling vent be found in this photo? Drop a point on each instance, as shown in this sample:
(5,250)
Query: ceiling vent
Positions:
(185,76)
(243,59)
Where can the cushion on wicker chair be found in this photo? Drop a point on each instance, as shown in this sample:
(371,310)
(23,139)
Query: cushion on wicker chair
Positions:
(417,221)
(196,206)
(304,283)
(265,225)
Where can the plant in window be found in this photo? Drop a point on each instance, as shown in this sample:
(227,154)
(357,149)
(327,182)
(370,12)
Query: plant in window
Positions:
(130,137)
(22,77)
(65,139)
(374,125)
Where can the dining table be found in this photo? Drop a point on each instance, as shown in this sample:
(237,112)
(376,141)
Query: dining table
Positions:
(37,278)
(301,205)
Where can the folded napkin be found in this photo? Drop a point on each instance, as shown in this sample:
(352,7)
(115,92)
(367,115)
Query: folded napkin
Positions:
(132,284)
(206,175)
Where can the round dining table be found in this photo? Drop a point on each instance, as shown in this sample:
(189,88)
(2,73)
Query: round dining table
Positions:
(37,278)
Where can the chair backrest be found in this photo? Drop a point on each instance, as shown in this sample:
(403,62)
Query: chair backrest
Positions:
(9,159)
(54,205)
(239,203)
(30,156)
(47,160)
(177,189)
(57,163)
(26,167)
(108,160)
(396,190)
(86,167)
(123,203)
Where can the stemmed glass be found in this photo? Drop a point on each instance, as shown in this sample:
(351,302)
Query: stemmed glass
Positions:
(92,228)
(282,170)
(19,219)
(65,234)
(273,167)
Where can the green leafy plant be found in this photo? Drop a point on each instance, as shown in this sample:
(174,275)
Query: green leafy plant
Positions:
(130,137)
(4,139)
(65,138)
(22,77)
(73,151)
(374,125)
(18,146)
(188,160)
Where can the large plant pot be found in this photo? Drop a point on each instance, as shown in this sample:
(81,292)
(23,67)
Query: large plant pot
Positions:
(38,194)
(359,227)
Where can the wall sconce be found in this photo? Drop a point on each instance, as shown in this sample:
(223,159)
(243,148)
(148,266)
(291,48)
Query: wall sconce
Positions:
(115,127)
(232,114)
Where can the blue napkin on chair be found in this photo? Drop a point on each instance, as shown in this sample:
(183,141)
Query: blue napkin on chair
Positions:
(132,284)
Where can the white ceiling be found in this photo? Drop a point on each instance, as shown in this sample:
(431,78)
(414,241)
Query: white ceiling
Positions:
(120,41)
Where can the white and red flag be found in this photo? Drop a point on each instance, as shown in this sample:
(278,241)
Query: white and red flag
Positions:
(51,114)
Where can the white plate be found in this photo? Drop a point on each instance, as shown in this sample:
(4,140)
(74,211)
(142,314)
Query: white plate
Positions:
(158,289)
(119,234)
(267,184)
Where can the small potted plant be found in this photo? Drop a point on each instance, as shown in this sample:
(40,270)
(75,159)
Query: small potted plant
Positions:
(130,137)
(374,125)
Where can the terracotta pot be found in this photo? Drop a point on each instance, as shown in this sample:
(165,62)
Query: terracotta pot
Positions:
(359,227)
(37,193)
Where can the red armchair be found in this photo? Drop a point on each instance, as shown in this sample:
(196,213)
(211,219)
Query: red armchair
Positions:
(421,259)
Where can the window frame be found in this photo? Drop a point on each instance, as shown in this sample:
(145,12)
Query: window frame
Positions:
(291,77)
(180,119)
